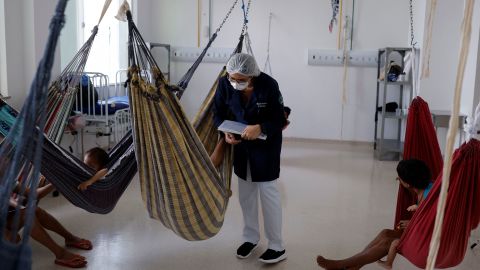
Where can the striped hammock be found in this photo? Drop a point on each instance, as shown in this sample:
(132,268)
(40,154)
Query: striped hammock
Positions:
(180,186)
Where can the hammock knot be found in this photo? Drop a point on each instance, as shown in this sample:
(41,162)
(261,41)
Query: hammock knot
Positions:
(472,127)
(150,89)
(95,30)
(124,12)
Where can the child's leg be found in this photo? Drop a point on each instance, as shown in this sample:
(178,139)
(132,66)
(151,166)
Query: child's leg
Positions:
(218,152)
(376,250)
(385,233)
(50,223)
(392,253)
(40,235)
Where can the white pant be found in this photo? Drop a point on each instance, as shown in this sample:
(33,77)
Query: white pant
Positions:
(271,209)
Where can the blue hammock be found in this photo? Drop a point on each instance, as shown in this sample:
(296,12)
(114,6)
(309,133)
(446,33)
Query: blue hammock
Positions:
(22,144)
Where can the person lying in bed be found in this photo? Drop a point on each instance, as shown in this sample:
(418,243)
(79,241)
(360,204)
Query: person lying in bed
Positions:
(414,175)
(97,159)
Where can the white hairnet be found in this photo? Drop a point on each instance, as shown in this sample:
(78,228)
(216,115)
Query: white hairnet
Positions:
(243,64)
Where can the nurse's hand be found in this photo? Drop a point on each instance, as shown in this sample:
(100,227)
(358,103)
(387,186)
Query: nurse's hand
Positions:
(230,139)
(251,132)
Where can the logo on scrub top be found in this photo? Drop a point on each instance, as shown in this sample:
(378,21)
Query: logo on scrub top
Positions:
(262,104)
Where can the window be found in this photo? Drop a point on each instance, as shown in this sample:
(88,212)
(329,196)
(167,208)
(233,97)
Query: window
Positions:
(108,53)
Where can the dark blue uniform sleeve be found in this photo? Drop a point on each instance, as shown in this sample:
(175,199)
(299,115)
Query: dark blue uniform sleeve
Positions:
(276,121)
(220,107)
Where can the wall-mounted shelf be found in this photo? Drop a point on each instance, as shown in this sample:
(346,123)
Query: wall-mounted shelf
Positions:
(387,148)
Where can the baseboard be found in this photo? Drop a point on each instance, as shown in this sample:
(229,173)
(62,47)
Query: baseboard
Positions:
(309,140)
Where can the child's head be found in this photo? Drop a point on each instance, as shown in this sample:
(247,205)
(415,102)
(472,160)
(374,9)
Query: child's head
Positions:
(96,158)
(414,173)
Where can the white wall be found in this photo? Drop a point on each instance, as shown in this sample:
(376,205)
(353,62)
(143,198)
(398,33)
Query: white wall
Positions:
(3,52)
(313,93)
(29,46)
(439,87)
(43,12)
(15,53)
(469,103)
(26,32)
(476,94)
(69,36)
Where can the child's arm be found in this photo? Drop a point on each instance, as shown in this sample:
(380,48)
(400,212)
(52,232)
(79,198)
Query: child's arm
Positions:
(219,152)
(99,175)
(412,208)
(43,191)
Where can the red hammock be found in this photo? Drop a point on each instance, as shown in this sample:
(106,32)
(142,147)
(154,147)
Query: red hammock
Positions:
(462,213)
(420,143)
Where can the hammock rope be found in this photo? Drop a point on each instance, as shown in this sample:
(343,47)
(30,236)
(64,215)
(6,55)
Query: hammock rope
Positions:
(183,82)
(267,68)
(63,90)
(452,132)
(427,44)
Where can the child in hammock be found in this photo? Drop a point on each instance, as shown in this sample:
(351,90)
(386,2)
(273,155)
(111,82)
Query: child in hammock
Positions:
(218,153)
(414,175)
(97,159)
(421,196)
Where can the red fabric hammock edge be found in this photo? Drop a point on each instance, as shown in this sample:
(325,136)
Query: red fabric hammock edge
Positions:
(421,143)
(462,213)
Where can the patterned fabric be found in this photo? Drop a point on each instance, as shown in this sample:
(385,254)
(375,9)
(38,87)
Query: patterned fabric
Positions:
(66,172)
(180,186)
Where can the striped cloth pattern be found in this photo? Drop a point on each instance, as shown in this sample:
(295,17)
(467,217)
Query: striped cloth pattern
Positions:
(179,184)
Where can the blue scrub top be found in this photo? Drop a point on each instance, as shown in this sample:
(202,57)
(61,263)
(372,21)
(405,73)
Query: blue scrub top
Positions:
(265,107)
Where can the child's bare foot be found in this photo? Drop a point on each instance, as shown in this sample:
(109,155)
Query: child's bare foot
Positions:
(384,264)
(77,242)
(321,261)
(326,264)
(67,255)
(71,260)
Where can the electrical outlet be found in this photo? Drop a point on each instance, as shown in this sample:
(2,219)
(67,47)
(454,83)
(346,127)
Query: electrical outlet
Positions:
(363,58)
(190,54)
(320,57)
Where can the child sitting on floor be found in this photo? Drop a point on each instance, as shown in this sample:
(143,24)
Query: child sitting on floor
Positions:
(97,159)
(421,195)
(414,175)
(42,222)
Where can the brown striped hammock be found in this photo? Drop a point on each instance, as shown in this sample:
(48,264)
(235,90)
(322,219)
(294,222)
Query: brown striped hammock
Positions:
(180,186)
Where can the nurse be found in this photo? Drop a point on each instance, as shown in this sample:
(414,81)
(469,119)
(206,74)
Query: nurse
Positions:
(249,96)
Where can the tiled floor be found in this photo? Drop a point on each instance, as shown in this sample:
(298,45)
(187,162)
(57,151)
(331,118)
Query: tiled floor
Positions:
(336,197)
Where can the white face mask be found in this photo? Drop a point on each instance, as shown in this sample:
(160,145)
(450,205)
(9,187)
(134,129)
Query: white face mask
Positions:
(239,86)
